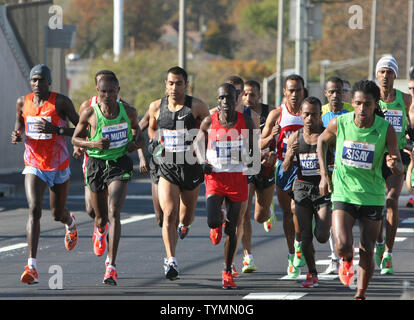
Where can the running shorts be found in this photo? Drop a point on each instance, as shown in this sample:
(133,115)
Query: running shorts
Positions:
(154,174)
(284,180)
(306,194)
(186,176)
(262,181)
(100,173)
(50,177)
(357,211)
(232,185)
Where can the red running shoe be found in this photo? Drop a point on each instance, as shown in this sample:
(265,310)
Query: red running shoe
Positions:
(228,282)
(99,241)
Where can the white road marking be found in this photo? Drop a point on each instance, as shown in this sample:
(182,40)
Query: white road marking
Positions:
(129,197)
(405,230)
(408,221)
(400,239)
(275,296)
(320,277)
(13,247)
(137,218)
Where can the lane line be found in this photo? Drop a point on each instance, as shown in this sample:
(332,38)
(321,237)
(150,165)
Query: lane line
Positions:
(13,247)
(275,296)
(137,218)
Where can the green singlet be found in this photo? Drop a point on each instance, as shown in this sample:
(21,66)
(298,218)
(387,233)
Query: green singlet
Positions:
(396,114)
(118,131)
(357,177)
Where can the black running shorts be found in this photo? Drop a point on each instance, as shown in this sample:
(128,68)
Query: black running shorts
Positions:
(154,174)
(262,181)
(357,211)
(100,173)
(306,194)
(186,176)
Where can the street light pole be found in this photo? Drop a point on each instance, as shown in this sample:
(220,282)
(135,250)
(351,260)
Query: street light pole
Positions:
(118,28)
(409,36)
(371,75)
(279,54)
(182,37)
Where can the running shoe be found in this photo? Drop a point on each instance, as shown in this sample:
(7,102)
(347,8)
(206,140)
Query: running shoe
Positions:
(216,235)
(71,236)
(111,277)
(228,282)
(171,270)
(410,202)
(29,276)
(299,260)
(270,224)
(248,265)
(311,281)
(379,253)
(292,271)
(99,241)
(183,230)
(360,298)
(234,271)
(333,267)
(386,264)
(346,272)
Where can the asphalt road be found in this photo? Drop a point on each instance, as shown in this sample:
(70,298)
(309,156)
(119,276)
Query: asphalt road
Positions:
(141,253)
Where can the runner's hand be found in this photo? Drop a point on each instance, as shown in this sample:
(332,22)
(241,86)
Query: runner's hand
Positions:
(78,152)
(44,126)
(102,143)
(325,186)
(16,136)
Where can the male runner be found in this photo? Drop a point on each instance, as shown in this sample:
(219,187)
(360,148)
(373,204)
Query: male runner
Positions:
(262,184)
(346,92)
(396,108)
(409,178)
(174,116)
(335,106)
(280,124)
(309,203)
(228,143)
(357,187)
(112,131)
(42,116)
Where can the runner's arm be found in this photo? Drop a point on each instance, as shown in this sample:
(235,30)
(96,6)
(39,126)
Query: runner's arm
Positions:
(200,141)
(271,129)
(324,140)
(16,135)
(393,158)
(291,151)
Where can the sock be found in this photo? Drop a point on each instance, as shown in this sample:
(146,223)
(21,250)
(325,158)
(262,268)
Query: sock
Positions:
(70,227)
(387,254)
(298,243)
(31,262)
(107,260)
(249,256)
(172,259)
(290,255)
(380,243)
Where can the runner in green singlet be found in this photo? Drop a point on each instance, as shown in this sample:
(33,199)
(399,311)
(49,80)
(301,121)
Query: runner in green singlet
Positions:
(112,130)
(362,139)
(396,108)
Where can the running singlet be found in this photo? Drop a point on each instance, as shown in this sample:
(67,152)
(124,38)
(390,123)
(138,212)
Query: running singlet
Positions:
(174,127)
(308,169)
(45,151)
(357,176)
(289,123)
(347,106)
(118,131)
(223,143)
(396,114)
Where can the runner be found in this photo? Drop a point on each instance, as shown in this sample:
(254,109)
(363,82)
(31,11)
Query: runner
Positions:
(362,139)
(334,92)
(42,116)
(262,185)
(396,108)
(410,177)
(309,204)
(224,162)
(346,92)
(335,106)
(280,124)
(112,130)
(179,182)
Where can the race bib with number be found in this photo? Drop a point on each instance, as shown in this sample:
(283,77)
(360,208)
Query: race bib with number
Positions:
(34,134)
(227,151)
(309,164)
(358,154)
(174,140)
(395,118)
(117,134)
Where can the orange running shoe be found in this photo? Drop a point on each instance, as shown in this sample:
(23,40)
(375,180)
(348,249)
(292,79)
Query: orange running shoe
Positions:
(346,272)
(29,276)
(228,282)
(71,236)
(234,272)
(217,233)
(99,241)
(111,277)
(311,281)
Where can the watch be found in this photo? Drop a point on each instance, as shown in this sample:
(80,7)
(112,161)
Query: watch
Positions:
(61,131)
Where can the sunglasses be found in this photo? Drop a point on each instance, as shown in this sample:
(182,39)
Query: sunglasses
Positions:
(346,89)
(410,88)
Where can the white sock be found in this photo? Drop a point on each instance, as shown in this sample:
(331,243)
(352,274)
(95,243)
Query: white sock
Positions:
(298,242)
(107,260)
(31,262)
(70,227)
(249,256)
(380,243)
(389,254)
(172,259)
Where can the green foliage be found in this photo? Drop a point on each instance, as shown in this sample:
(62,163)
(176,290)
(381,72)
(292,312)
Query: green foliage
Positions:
(260,17)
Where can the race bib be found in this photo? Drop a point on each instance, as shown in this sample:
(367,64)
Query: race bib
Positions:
(394,117)
(34,134)
(228,151)
(117,134)
(309,164)
(174,140)
(358,154)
